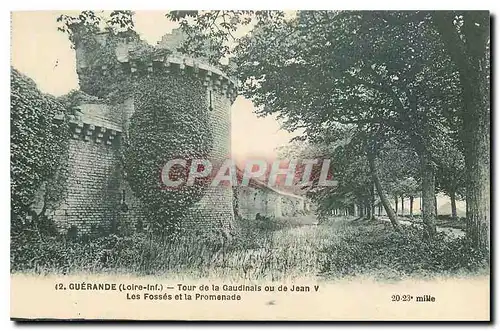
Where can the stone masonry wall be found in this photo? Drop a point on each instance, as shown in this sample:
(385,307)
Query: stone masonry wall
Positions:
(95,187)
(92,196)
(268,202)
(97,191)
(215,209)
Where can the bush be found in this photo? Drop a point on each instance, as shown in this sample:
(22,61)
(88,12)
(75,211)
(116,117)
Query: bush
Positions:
(361,250)
(140,253)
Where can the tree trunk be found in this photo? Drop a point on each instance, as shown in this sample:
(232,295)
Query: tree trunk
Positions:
(435,205)
(411,205)
(428,195)
(477,161)
(453,199)
(478,200)
(472,58)
(383,198)
(372,201)
(396,204)
(369,214)
(402,205)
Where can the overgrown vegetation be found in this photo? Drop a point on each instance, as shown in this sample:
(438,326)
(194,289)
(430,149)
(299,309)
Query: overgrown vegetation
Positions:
(39,136)
(103,75)
(265,249)
(45,251)
(171,122)
(372,249)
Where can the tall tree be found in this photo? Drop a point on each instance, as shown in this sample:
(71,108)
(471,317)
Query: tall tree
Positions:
(380,68)
(369,69)
(450,175)
(466,36)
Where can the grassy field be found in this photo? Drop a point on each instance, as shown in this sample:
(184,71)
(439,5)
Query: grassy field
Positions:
(262,250)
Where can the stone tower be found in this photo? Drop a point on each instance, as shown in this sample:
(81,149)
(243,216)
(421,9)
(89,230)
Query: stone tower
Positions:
(97,187)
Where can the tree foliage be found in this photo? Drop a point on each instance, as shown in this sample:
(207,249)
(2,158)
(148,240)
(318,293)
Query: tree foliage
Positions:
(211,34)
(417,77)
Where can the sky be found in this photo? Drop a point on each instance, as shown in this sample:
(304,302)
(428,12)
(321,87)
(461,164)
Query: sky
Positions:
(45,55)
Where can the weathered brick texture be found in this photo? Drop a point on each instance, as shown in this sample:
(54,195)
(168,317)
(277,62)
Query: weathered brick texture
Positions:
(216,206)
(265,201)
(92,197)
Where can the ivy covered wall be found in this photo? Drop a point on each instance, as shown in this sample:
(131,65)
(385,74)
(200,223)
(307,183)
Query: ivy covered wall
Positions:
(38,143)
(170,121)
(160,108)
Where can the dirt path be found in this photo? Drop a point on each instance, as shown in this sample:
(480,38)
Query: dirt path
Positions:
(455,233)
(311,220)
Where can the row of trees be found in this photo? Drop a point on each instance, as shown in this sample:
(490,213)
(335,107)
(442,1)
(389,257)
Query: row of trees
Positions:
(402,97)
(356,193)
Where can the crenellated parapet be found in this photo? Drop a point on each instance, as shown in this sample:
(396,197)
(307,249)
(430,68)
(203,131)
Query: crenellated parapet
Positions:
(163,59)
(212,77)
(91,124)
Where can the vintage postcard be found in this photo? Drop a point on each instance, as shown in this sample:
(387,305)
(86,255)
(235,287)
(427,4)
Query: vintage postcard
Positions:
(250,165)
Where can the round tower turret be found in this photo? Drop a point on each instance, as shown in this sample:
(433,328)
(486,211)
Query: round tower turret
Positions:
(215,209)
